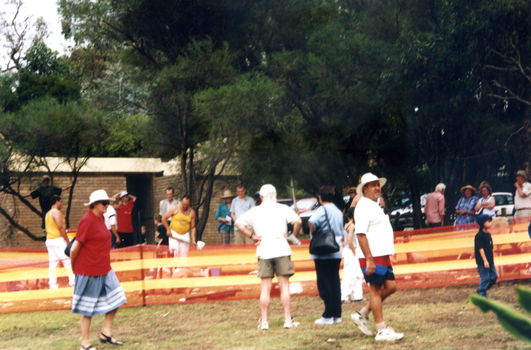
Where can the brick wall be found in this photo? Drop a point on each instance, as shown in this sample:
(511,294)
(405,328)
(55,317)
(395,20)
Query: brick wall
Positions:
(86,184)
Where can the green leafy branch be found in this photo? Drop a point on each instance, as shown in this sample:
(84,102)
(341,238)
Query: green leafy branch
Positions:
(513,321)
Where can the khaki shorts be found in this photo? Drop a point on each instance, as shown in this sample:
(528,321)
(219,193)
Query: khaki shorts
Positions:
(240,238)
(282,266)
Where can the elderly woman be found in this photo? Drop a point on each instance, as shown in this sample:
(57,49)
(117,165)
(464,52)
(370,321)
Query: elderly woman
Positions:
(97,290)
(226,227)
(465,208)
(327,266)
(486,202)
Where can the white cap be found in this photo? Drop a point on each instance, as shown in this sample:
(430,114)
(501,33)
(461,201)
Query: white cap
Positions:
(123,194)
(267,189)
(99,195)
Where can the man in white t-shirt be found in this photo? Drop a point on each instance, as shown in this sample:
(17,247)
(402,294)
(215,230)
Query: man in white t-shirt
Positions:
(376,245)
(110,221)
(169,202)
(522,197)
(269,222)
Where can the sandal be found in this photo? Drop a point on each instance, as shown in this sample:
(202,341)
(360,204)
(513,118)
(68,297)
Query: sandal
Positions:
(88,347)
(108,339)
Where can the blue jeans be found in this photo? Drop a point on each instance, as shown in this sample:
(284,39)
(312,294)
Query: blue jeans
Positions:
(488,279)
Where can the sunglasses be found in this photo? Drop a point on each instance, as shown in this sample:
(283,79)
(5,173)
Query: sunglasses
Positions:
(104,203)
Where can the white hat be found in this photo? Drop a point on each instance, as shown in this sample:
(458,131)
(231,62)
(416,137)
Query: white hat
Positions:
(368,177)
(99,195)
(123,194)
(267,189)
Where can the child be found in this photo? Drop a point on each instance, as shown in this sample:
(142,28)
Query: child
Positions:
(351,285)
(161,231)
(484,256)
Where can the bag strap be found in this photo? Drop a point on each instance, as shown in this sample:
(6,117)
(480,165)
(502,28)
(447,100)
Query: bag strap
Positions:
(326,215)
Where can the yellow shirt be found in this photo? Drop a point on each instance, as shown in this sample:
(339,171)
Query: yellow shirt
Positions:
(52,232)
(180,223)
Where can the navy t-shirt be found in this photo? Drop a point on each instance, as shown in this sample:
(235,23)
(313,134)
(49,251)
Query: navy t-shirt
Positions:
(483,240)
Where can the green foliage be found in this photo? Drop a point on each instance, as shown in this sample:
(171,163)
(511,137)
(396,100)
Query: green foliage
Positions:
(513,321)
(31,87)
(40,60)
(45,127)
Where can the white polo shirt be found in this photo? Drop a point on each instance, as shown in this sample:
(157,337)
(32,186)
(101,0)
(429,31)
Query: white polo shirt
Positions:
(372,221)
(269,221)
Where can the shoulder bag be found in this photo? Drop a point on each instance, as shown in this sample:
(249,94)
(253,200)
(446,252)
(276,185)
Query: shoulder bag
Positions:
(69,247)
(324,241)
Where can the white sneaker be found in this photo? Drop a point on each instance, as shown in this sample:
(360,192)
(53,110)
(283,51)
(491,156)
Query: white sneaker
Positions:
(324,320)
(337,319)
(361,322)
(291,324)
(263,326)
(388,334)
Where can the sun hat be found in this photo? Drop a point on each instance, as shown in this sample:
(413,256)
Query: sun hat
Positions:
(481,219)
(123,194)
(267,189)
(369,177)
(486,185)
(352,190)
(522,173)
(468,187)
(227,194)
(99,195)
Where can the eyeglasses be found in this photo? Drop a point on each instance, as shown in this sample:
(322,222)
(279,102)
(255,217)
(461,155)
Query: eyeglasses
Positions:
(104,203)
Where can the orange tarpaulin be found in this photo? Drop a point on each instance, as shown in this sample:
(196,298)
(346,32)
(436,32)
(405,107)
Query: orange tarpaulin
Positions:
(424,258)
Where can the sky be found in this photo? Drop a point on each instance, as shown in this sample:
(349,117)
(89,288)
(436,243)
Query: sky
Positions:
(48,10)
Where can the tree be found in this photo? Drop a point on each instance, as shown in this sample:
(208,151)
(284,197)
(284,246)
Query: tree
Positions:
(17,34)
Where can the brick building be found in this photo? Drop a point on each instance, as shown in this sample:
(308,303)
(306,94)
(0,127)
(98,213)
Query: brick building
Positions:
(146,178)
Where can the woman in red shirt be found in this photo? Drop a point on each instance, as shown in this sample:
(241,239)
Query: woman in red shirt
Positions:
(97,290)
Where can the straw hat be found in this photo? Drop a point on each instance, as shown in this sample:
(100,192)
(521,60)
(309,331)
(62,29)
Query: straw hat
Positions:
(486,185)
(227,194)
(469,187)
(368,177)
(352,190)
(99,195)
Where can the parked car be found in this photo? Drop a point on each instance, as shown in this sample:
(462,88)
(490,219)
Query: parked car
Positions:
(402,212)
(286,201)
(307,214)
(305,204)
(504,203)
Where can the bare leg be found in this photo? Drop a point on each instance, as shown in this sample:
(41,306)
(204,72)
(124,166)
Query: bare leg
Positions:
(265,297)
(85,330)
(285,299)
(107,326)
(378,293)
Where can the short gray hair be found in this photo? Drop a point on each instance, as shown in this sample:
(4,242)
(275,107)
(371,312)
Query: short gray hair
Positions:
(440,187)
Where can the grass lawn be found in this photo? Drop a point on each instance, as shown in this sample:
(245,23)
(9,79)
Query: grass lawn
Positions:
(431,318)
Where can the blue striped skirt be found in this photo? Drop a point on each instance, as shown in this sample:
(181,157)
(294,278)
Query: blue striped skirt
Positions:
(97,295)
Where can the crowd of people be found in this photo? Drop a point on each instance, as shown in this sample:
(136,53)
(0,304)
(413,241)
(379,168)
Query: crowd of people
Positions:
(362,224)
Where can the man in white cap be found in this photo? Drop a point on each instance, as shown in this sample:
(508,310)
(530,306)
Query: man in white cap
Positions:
(124,218)
(522,196)
(375,236)
(269,222)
